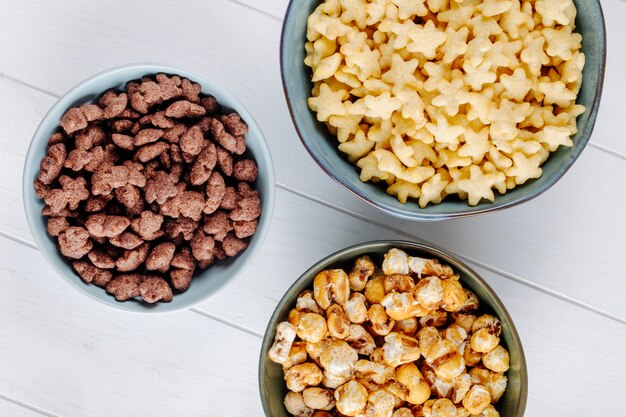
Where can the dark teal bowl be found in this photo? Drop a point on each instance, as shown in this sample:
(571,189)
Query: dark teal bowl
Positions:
(323,146)
(272,385)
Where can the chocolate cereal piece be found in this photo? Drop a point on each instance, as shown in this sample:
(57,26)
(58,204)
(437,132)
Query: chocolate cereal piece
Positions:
(232,245)
(229,201)
(148,225)
(181,279)
(203,166)
(113,104)
(218,225)
(74,242)
(132,259)
(184,108)
(57,225)
(245,170)
(154,288)
(160,257)
(146,136)
(90,137)
(202,246)
(73,120)
(245,228)
(225,161)
(105,225)
(126,240)
(92,274)
(182,226)
(51,165)
(124,287)
(101,259)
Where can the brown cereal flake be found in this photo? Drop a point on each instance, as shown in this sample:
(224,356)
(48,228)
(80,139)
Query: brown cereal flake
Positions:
(74,242)
(92,274)
(124,287)
(106,225)
(160,257)
(245,170)
(154,288)
(133,258)
(51,165)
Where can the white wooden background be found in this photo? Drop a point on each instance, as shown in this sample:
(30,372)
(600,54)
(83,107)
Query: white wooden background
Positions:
(557,262)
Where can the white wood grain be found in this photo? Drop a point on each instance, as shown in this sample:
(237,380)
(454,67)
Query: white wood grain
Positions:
(12,409)
(536,242)
(275,8)
(73,357)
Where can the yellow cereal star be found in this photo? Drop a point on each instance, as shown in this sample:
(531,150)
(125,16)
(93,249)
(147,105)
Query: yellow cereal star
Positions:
(553,11)
(495,7)
(555,136)
(524,168)
(452,95)
(319,50)
(327,26)
(388,162)
(345,125)
(503,54)
(436,5)
(432,190)
(369,169)
(403,151)
(516,86)
(357,147)
(328,103)
(484,26)
(401,72)
(435,73)
(445,133)
(533,54)
(504,119)
(481,105)
(380,133)
(573,69)
(354,11)
(556,93)
(404,190)
(457,16)
(455,45)
(403,126)
(452,159)
(476,144)
(561,42)
(426,40)
(408,9)
(375,11)
(478,185)
(456,175)
(402,31)
(364,63)
(412,105)
(327,67)
(381,106)
(515,19)
(422,152)
(476,77)
(499,160)
(476,50)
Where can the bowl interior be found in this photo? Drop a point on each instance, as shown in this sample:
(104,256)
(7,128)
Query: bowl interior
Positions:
(323,146)
(271,382)
(206,282)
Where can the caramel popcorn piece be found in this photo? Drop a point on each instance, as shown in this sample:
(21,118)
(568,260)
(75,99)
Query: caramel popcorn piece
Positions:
(74,242)
(92,274)
(124,287)
(51,165)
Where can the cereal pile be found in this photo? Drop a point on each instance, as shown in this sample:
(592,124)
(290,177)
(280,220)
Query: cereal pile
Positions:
(440,97)
(403,342)
(148,186)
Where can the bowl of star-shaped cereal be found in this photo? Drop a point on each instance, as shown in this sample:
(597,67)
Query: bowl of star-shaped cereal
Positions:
(431,110)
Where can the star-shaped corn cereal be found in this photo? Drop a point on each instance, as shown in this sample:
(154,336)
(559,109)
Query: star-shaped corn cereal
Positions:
(328,103)
(555,136)
(533,54)
(401,30)
(480,105)
(500,184)
(503,54)
(553,11)
(516,18)
(556,93)
(452,95)
(347,78)
(484,26)
(455,45)
(426,40)
(412,105)
(380,132)
(524,168)
(456,175)
(403,151)
(403,190)
(332,8)
(479,185)
(357,147)
(375,11)
(476,49)
(318,50)
(476,144)
(381,106)
(445,133)
(561,42)
(457,16)
(572,70)
(354,11)
(408,9)
(499,160)
(433,189)
(491,8)
(422,152)
(375,87)
(364,64)
(388,162)
(526,143)
(346,125)
(402,126)
(327,67)
(369,169)
(327,26)
(476,77)
(401,72)
(437,5)
(435,73)
(504,119)
(354,43)
(452,159)
(516,85)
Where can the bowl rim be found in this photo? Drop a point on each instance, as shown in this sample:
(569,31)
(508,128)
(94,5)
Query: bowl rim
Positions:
(468,211)
(64,102)
(363,248)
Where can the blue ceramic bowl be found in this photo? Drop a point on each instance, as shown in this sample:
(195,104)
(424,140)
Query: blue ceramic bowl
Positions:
(207,282)
(272,386)
(323,146)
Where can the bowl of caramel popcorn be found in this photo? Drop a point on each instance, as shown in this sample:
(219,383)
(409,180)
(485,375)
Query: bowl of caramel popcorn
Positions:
(436,109)
(391,329)
(148,188)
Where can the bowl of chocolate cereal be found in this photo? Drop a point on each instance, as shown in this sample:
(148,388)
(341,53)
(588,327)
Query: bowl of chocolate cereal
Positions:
(148,188)
(438,110)
(391,328)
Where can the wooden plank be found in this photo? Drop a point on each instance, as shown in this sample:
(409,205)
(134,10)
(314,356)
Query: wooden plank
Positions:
(536,242)
(74,357)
